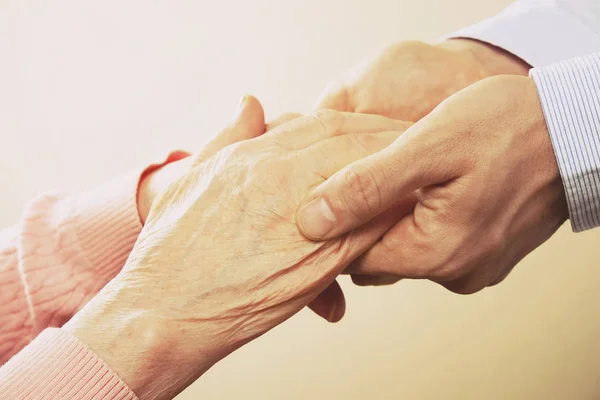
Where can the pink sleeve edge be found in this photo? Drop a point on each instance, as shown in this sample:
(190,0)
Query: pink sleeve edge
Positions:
(56,365)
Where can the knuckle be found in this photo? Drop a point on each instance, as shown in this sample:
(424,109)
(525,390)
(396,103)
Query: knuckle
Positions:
(463,288)
(238,150)
(361,192)
(443,246)
(388,258)
(446,266)
(282,120)
(497,241)
(267,177)
(243,154)
(329,120)
(364,143)
(266,167)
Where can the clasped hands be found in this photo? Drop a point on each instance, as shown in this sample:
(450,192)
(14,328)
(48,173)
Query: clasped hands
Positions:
(256,226)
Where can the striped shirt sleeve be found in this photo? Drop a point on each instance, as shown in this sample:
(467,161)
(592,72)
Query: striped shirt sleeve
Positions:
(569,92)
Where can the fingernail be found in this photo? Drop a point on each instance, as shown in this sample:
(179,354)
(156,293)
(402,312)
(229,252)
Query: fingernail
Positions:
(242,102)
(337,311)
(240,108)
(316,218)
(331,316)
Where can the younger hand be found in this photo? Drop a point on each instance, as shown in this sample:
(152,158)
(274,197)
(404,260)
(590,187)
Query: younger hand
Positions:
(482,175)
(407,80)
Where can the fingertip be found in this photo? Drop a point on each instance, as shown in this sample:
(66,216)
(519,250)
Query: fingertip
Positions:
(330,304)
(374,280)
(251,105)
(339,311)
(316,219)
(362,280)
(250,118)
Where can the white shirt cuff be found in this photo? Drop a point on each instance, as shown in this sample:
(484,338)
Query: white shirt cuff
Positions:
(539,33)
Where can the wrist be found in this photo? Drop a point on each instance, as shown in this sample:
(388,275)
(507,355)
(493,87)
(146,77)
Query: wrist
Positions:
(141,345)
(157,177)
(489,60)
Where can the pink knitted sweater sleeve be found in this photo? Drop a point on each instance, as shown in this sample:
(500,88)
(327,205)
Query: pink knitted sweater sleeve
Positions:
(62,252)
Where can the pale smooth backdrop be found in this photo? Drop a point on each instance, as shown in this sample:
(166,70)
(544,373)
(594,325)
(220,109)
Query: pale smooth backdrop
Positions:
(90,89)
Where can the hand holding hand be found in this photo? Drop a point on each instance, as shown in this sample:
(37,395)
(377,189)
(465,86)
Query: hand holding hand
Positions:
(220,260)
(248,123)
(483,178)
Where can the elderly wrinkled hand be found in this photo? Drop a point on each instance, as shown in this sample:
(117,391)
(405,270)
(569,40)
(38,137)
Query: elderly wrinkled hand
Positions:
(220,260)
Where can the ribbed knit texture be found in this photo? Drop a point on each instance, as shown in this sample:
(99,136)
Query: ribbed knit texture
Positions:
(57,366)
(64,250)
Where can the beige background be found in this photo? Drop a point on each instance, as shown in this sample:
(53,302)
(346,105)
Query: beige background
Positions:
(89,89)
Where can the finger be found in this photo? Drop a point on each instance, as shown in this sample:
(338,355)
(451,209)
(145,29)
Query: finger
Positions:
(282,120)
(342,251)
(323,124)
(468,284)
(330,304)
(416,247)
(477,278)
(331,155)
(248,123)
(335,97)
(389,255)
(373,280)
(501,277)
(373,184)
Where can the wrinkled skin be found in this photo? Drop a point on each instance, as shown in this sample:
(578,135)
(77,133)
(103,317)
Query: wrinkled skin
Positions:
(220,260)
(248,123)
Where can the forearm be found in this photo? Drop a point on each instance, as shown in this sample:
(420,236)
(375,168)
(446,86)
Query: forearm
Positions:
(139,345)
(69,246)
(17,324)
(64,250)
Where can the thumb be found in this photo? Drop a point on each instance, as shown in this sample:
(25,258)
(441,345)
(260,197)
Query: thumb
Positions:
(248,123)
(370,186)
(335,97)
(330,304)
